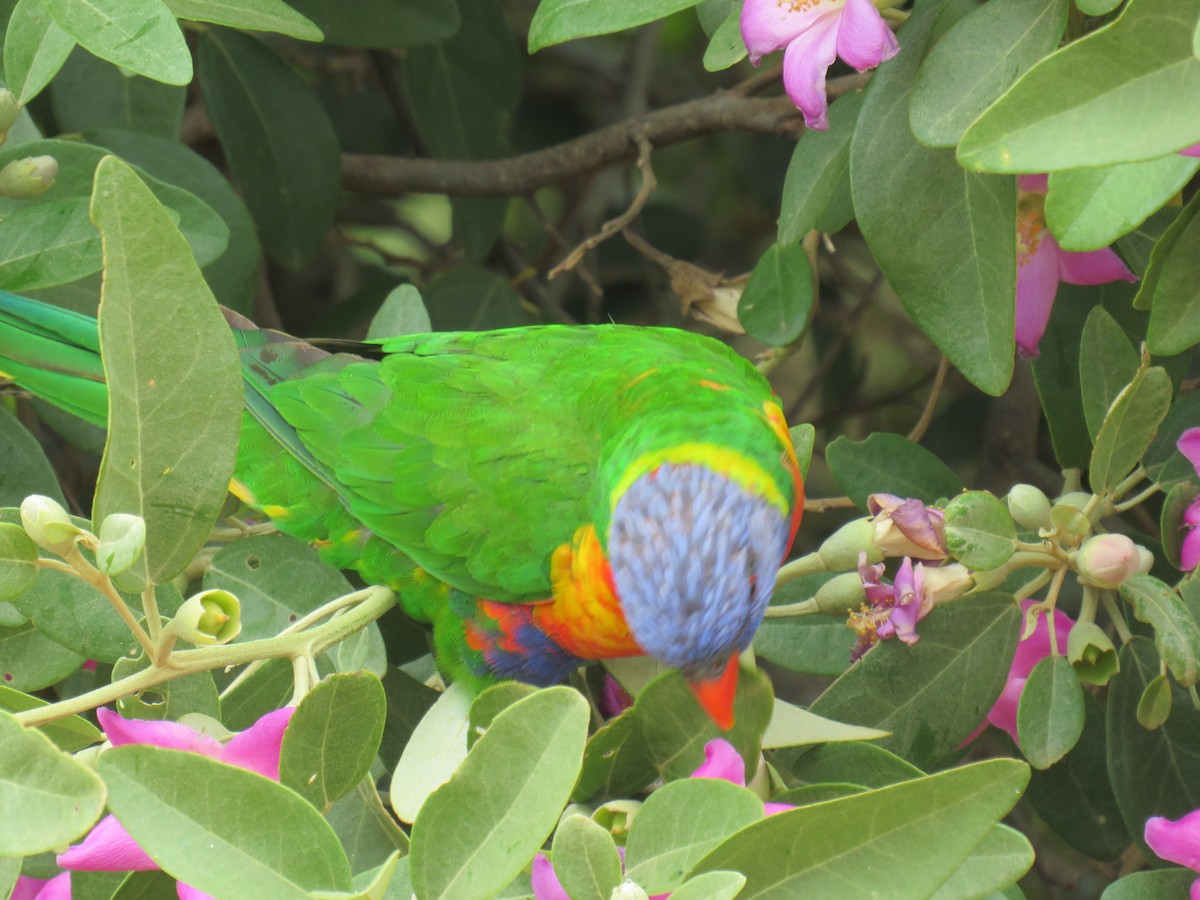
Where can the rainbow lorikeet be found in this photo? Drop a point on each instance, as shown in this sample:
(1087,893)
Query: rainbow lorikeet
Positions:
(543,496)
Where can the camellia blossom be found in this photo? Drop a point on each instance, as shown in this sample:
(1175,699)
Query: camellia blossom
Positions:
(1030,651)
(1177,842)
(109,847)
(1042,264)
(721,761)
(814,33)
(1189,446)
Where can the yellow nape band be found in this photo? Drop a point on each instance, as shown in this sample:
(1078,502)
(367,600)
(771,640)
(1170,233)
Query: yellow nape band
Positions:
(738,467)
(243,493)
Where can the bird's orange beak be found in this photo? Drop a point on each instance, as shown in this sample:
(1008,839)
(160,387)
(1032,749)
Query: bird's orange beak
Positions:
(716,694)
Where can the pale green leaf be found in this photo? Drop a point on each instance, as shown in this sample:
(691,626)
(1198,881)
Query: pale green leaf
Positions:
(1002,857)
(979,530)
(726,47)
(35,48)
(1129,428)
(251,15)
(585,859)
(791,726)
(402,312)
(1176,633)
(48,244)
(1051,713)
(437,746)
(140,35)
(557,21)
(70,733)
(777,301)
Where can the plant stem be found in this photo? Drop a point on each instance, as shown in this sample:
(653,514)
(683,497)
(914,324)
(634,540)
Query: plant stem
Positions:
(372,602)
(790,610)
(150,610)
(1134,501)
(811,564)
(86,572)
(1118,620)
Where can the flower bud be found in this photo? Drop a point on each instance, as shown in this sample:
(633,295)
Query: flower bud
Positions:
(1068,519)
(1091,652)
(1145,560)
(210,617)
(48,524)
(1029,507)
(840,550)
(28,177)
(1106,560)
(616,816)
(9,109)
(628,890)
(942,583)
(840,594)
(122,538)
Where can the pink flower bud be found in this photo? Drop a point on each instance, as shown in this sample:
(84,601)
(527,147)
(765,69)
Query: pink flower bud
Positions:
(1106,560)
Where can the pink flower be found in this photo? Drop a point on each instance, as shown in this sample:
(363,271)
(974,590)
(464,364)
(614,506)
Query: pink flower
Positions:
(1177,842)
(721,761)
(1042,264)
(613,699)
(109,847)
(57,888)
(815,32)
(1193,150)
(1030,651)
(907,527)
(1189,446)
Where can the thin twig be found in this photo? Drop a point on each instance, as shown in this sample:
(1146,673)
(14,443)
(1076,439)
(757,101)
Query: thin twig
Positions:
(822,504)
(918,430)
(612,226)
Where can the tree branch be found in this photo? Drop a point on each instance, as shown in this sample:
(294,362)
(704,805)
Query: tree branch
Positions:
(517,175)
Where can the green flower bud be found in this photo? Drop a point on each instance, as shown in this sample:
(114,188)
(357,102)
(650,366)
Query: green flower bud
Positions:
(628,890)
(616,816)
(840,550)
(840,594)
(1091,652)
(9,109)
(122,538)
(48,524)
(1029,507)
(1106,560)
(1068,519)
(210,617)
(28,177)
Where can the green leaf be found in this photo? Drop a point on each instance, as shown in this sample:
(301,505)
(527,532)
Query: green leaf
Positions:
(249,15)
(278,139)
(1056,375)
(718,885)
(1003,856)
(277,578)
(977,60)
(26,469)
(814,645)
(1169,286)
(943,237)
(1051,714)
(979,530)
(477,831)
(434,752)
(29,661)
(49,798)
(1107,363)
(1074,795)
(408,700)
(1154,707)
(803,437)
(331,740)
(889,463)
(679,824)
(585,859)
(471,298)
(48,244)
(18,561)
(493,701)
(816,189)
(69,734)
(1129,428)
(1176,633)
(402,312)
(777,301)
(267,687)
(1136,246)
(365,828)
(1163,884)
(35,48)
(174,383)
(1087,209)
(382,23)
(791,726)
(1120,94)
(178,806)
(557,21)
(833,848)
(932,695)
(865,764)
(726,47)
(92,93)
(172,700)
(140,35)
(1153,773)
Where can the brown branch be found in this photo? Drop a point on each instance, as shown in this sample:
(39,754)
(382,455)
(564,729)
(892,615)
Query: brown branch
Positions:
(723,111)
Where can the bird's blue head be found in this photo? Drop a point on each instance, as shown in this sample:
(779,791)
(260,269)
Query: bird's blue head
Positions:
(693,556)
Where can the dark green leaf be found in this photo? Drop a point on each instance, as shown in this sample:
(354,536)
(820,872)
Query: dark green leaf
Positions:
(943,237)
(92,93)
(816,190)
(172,700)
(1051,712)
(251,15)
(26,469)
(777,301)
(1164,884)
(30,661)
(814,645)
(69,734)
(1107,363)
(557,21)
(1155,706)
(1056,375)
(266,688)
(889,463)
(470,298)
(1163,461)
(365,828)
(1176,633)
(1169,286)
(1129,428)
(382,23)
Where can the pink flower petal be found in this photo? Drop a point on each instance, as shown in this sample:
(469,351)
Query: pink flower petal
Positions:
(722,761)
(804,65)
(1003,713)
(1033,184)
(768,25)
(1193,150)
(121,731)
(27,888)
(1093,267)
(107,848)
(772,809)
(1189,446)
(187,892)
(1036,647)
(1189,553)
(545,883)
(923,526)
(57,888)
(864,39)
(1178,841)
(1037,285)
(257,748)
